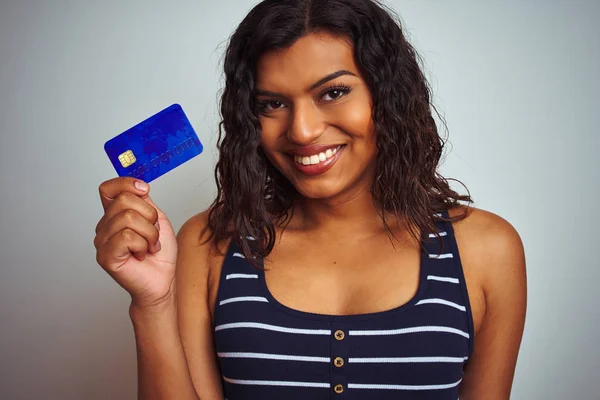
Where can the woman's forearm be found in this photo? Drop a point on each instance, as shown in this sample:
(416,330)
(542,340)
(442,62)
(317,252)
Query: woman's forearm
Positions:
(163,372)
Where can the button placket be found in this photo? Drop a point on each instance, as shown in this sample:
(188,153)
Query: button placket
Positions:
(340,348)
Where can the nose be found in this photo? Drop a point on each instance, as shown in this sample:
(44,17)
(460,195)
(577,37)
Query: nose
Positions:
(307,124)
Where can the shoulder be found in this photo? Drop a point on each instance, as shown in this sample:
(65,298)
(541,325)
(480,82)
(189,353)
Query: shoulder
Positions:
(193,233)
(490,241)
(195,237)
(478,220)
(193,254)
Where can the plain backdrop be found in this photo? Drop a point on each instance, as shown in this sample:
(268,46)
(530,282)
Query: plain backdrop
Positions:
(517,82)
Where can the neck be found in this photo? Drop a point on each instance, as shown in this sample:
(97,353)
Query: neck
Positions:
(353,212)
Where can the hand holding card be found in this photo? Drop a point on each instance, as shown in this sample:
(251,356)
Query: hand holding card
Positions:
(135,242)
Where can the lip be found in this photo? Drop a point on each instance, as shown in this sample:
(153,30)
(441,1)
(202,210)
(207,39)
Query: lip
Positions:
(307,151)
(320,168)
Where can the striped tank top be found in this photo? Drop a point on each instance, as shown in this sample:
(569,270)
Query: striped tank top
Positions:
(415,351)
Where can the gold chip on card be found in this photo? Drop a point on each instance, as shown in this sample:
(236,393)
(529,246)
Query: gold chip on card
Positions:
(127,158)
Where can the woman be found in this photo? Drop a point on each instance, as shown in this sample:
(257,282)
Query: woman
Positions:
(328,265)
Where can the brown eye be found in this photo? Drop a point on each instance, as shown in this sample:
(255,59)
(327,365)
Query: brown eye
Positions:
(275,104)
(270,105)
(335,93)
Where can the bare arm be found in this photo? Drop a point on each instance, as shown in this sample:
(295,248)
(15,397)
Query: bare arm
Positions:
(176,356)
(195,321)
(500,255)
(162,368)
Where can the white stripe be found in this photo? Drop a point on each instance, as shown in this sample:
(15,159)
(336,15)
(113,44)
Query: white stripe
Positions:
(277,383)
(402,387)
(443,233)
(442,301)
(247,298)
(250,237)
(386,360)
(236,276)
(441,256)
(442,279)
(264,356)
(438,214)
(274,328)
(403,331)
(240,255)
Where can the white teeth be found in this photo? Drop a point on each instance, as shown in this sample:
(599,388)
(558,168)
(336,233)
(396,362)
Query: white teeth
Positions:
(317,158)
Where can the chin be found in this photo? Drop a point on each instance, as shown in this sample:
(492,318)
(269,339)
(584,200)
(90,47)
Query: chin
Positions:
(318,190)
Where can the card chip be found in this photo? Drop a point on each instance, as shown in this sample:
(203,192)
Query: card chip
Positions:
(127,158)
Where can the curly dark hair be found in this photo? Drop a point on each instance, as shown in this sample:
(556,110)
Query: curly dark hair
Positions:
(253,197)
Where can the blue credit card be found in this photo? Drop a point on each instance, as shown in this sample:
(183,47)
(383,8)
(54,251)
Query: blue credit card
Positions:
(154,146)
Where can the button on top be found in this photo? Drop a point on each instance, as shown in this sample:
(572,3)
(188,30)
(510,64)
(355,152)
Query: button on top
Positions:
(339,335)
(338,388)
(338,362)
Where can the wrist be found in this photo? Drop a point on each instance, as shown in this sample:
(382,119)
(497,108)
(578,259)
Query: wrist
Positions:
(166,306)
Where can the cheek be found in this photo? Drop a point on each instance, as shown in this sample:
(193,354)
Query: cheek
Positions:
(356,120)
(271,137)
(359,116)
(270,128)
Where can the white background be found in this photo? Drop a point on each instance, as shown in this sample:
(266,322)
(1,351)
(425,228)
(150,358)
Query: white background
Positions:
(516,80)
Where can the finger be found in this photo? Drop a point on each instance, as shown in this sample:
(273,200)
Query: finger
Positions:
(110,189)
(117,250)
(129,219)
(126,201)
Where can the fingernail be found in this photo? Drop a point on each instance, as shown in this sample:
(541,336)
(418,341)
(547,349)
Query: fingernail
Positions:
(141,186)
(157,225)
(158,246)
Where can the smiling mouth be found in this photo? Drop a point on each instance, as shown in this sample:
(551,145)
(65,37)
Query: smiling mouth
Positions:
(318,158)
(319,163)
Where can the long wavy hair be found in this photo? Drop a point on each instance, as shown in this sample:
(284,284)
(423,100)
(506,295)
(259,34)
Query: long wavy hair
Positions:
(253,197)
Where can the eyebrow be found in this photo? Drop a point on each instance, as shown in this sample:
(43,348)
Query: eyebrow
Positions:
(315,85)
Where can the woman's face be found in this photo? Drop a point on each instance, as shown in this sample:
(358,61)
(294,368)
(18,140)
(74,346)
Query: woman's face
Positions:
(315,113)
